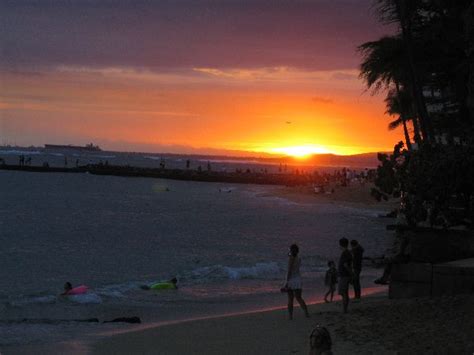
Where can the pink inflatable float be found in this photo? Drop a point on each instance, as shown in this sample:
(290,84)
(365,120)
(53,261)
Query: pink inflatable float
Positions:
(79,290)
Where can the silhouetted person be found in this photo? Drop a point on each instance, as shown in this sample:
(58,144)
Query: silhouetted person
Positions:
(345,272)
(67,288)
(65,161)
(320,342)
(357,255)
(188,164)
(293,281)
(402,256)
(330,280)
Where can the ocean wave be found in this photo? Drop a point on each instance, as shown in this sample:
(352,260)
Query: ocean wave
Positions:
(119,290)
(314,262)
(104,156)
(269,270)
(27,300)
(153,157)
(19,152)
(22,301)
(86,298)
(227,189)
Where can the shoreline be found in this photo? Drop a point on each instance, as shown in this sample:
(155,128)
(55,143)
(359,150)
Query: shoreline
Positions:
(86,344)
(423,326)
(368,292)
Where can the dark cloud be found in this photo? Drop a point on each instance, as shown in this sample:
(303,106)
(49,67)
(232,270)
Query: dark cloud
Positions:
(169,34)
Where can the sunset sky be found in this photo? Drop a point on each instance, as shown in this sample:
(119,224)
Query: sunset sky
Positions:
(190,76)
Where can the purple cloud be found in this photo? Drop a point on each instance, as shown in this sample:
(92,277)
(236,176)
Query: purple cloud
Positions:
(316,35)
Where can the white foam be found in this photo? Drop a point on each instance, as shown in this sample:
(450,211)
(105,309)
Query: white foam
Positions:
(33,300)
(89,297)
(269,270)
(152,157)
(104,156)
(259,270)
(19,152)
(119,290)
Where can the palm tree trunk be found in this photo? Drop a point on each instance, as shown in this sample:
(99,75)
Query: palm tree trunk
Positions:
(416,130)
(407,135)
(403,116)
(417,90)
(469,27)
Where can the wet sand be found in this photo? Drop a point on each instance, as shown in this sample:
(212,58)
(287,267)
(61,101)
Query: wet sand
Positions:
(376,325)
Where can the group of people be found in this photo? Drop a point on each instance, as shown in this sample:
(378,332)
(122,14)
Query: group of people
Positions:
(24,161)
(347,272)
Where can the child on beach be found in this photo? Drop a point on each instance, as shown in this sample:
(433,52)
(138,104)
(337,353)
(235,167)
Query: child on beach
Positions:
(330,280)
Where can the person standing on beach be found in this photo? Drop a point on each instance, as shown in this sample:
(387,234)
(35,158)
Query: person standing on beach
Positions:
(293,281)
(345,272)
(357,255)
(330,280)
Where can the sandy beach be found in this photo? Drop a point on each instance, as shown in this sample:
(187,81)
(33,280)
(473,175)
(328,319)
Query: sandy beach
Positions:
(376,325)
(355,195)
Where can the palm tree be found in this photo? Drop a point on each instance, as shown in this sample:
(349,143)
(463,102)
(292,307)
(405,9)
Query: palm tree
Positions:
(405,13)
(469,28)
(383,63)
(384,68)
(399,103)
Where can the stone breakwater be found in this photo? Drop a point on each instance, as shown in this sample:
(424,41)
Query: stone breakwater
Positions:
(245,177)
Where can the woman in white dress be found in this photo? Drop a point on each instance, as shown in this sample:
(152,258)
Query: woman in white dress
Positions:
(293,281)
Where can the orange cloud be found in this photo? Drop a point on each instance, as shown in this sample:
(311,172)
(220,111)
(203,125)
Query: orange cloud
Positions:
(229,109)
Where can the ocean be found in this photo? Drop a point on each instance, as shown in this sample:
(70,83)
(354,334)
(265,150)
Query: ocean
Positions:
(227,245)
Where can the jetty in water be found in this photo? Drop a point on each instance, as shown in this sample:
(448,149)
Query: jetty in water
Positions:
(244,177)
(86,148)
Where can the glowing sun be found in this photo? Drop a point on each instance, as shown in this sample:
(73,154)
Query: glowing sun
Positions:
(300,151)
